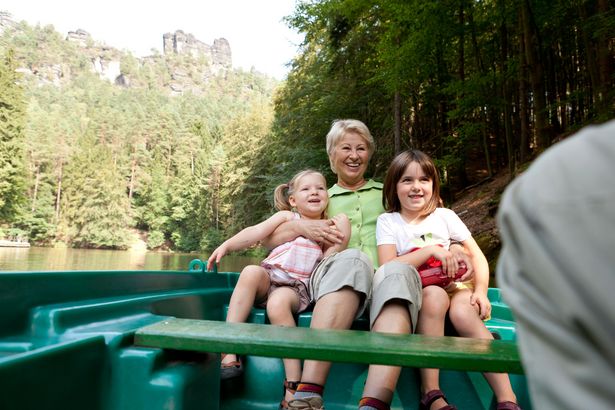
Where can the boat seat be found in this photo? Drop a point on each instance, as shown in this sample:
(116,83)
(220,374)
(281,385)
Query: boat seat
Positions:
(350,346)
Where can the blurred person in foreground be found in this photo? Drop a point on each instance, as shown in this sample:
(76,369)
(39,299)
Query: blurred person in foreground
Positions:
(557,270)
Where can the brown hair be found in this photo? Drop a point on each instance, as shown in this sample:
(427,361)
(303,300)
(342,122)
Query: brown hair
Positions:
(390,200)
(282,192)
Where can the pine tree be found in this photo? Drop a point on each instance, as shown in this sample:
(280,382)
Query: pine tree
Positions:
(12,120)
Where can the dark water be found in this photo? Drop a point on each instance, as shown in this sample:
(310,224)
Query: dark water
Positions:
(62,259)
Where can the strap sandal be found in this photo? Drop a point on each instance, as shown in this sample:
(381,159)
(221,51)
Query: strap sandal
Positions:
(290,387)
(231,370)
(309,403)
(431,396)
(508,405)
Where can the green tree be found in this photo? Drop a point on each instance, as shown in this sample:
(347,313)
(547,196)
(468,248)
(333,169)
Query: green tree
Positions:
(96,211)
(12,122)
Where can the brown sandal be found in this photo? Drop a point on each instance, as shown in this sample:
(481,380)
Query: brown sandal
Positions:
(292,388)
(230,370)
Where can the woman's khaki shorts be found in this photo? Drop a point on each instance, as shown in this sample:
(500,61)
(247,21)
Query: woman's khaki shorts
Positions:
(396,280)
(349,268)
(352,268)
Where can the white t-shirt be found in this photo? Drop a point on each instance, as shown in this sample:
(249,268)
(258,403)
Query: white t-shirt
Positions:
(438,228)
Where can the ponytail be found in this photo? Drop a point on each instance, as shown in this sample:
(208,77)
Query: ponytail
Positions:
(280,197)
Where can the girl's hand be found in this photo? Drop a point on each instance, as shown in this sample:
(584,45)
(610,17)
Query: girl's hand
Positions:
(339,221)
(481,300)
(460,255)
(216,256)
(449,261)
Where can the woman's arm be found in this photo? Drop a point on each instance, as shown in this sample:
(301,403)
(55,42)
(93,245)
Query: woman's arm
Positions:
(342,224)
(249,236)
(321,231)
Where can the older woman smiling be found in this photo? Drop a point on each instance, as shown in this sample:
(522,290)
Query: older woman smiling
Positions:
(344,284)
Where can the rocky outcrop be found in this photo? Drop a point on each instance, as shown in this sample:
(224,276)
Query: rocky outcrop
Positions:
(218,55)
(106,69)
(79,37)
(182,74)
(6,21)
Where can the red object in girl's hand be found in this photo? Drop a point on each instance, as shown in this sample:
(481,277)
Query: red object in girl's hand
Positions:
(433,275)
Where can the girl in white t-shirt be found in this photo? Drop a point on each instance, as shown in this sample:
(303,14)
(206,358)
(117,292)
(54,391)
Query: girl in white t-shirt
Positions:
(416,230)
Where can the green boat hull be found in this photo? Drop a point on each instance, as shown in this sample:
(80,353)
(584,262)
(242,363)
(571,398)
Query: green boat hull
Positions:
(66,342)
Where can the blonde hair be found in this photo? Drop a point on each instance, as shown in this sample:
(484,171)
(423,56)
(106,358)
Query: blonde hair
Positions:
(282,192)
(339,128)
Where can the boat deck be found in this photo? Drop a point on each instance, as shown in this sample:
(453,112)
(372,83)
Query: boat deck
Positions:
(67,341)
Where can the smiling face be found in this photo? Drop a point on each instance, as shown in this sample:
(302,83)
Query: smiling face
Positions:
(414,190)
(349,160)
(310,196)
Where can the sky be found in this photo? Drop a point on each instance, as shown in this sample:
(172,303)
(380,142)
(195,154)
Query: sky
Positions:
(254,28)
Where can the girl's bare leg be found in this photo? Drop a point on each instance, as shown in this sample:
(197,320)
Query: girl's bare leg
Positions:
(253,284)
(436,303)
(467,322)
(281,305)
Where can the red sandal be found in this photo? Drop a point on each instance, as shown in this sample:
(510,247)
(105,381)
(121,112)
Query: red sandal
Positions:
(292,388)
(431,396)
(508,405)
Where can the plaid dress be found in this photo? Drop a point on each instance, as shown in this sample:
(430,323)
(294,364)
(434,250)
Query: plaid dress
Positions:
(294,260)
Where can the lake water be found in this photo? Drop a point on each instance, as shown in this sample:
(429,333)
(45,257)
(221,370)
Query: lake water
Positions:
(62,259)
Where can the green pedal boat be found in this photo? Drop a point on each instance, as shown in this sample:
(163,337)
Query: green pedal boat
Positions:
(150,340)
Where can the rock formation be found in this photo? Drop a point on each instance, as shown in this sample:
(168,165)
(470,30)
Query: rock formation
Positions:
(184,75)
(218,54)
(79,37)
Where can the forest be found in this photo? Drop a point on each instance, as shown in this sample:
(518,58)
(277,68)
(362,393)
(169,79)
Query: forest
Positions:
(481,86)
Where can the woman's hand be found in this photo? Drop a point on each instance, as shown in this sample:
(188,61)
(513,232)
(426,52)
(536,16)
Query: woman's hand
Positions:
(481,300)
(323,231)
(460,255)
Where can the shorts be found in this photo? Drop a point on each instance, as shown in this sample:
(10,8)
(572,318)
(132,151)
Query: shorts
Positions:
(455,287)
(396,280)
(349,268)
(298,286)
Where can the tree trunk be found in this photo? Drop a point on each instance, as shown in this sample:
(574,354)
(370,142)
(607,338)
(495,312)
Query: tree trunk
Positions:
(506,92)
(37,179)
(133,172)
(523,99)
(59,193)
(605,58)
(397,130)
(534,59)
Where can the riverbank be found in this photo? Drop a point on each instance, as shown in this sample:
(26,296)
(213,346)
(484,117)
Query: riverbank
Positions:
(5,243)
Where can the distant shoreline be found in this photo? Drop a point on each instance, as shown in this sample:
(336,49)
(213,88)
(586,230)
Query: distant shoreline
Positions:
(14,244)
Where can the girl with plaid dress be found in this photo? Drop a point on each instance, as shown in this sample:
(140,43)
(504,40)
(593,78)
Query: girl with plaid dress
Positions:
(280,282)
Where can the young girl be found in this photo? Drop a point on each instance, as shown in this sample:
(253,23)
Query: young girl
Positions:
(280,282)
(414,229)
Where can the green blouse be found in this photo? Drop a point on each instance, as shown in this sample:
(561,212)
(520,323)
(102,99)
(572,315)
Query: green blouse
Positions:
(362,207)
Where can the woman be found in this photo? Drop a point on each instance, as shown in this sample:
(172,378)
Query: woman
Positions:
(342,285)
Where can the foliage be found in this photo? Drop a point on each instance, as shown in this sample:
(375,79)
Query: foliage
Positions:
(192,157)
(481,86)
(97,159)
(12,121)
